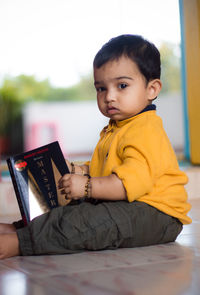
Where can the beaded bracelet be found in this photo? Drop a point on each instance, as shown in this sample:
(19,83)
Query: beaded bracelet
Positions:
(73,168)
(88,187)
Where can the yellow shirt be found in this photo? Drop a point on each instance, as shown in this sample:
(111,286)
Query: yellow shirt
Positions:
(139,152)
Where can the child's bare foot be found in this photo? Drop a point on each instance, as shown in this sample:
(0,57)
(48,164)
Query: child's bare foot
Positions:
(9,245)
(6,228)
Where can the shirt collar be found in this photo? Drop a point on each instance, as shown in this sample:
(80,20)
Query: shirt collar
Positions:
(112,123)
(150,107)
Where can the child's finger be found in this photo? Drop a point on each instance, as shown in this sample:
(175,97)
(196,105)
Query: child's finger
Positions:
(65,191)
(63,180)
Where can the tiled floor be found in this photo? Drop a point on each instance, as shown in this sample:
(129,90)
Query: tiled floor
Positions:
(172,269)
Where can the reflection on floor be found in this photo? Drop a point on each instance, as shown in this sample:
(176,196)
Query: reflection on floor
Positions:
(164,269)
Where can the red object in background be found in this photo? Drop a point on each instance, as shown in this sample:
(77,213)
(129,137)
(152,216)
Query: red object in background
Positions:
(4,145)
(0,167)
(40,133)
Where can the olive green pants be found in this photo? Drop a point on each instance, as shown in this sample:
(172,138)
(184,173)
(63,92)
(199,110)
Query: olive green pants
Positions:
(105,225)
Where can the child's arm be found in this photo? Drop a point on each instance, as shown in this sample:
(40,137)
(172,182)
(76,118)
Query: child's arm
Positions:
(9,245)
(108,188)
(104,188)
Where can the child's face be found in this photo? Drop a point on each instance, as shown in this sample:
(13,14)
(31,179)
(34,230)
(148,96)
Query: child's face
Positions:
(122,91)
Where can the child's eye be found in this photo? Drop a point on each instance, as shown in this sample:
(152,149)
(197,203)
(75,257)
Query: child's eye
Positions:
(100,89)
(122,85)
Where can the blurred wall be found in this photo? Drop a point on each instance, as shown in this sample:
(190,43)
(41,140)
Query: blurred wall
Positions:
(170,108)
(76,125)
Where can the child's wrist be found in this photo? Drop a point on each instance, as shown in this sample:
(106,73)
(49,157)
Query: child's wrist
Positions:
(75,169)
(82,172)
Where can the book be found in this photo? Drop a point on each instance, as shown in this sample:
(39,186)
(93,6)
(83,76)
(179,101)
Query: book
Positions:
(35,175)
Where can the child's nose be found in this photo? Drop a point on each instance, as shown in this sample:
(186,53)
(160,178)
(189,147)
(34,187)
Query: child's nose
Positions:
(110,96)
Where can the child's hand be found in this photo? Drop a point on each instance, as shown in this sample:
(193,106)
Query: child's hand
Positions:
(72,186)
(9,245)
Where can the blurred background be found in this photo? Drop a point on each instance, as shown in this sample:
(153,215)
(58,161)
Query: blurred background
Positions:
(46,82)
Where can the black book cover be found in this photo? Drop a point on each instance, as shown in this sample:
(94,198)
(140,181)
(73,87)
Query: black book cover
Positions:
(35,176)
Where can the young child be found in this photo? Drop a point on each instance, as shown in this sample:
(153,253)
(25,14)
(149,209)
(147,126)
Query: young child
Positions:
(133,188)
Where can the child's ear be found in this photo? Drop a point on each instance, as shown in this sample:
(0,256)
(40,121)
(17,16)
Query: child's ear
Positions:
(154,88)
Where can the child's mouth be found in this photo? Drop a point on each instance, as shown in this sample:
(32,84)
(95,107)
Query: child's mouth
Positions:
(112,110)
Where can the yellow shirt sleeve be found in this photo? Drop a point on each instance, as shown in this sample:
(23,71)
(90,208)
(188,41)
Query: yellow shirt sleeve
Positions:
(134,173)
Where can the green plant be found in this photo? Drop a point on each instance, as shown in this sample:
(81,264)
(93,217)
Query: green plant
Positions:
(10,108)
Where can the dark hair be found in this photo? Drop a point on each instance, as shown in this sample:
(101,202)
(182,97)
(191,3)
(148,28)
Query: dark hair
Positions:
(135,47)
